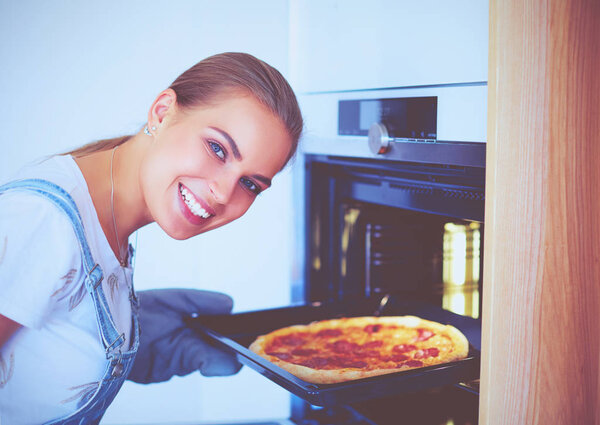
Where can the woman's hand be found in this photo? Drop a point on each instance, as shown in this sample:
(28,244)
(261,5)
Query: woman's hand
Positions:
(167,346)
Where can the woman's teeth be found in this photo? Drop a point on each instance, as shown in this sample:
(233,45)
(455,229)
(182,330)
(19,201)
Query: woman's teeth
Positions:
(194,206)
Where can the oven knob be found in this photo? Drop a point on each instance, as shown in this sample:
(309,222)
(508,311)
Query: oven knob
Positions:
(379,140)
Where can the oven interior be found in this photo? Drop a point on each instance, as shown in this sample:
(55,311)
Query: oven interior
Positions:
(378,227)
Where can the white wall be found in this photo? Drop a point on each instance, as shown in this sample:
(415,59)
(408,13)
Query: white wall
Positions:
(72,72)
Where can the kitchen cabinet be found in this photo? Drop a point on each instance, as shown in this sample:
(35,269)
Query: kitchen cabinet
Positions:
(541,334)
(342,45)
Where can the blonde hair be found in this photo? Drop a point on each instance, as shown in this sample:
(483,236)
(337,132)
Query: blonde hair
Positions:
(226,72)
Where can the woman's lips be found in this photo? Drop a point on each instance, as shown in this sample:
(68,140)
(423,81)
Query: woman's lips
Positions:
(194,210)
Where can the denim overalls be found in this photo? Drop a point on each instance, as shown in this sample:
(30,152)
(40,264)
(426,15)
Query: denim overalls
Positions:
(118,362)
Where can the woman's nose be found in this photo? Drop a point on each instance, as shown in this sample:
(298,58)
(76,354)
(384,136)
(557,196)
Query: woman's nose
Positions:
(222,189)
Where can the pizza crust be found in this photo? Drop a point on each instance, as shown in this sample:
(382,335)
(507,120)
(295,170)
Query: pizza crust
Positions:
(460,346)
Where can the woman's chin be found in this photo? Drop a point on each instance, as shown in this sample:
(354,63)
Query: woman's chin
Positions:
(176,232)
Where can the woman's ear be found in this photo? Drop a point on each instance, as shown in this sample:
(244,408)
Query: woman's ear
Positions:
(163,106)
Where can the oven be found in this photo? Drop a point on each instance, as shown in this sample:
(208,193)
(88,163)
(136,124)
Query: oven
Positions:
(391,223)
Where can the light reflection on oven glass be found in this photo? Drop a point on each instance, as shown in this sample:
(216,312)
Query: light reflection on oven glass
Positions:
(460,269)
(350,219)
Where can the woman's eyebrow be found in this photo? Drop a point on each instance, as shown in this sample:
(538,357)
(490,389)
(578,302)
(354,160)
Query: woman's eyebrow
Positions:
(232,144)
(263,179)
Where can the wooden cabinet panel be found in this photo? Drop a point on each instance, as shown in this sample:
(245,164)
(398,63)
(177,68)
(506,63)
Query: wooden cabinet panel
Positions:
(541,331)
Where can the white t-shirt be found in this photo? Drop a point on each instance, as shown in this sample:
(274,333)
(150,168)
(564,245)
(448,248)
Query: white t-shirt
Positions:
(57,356)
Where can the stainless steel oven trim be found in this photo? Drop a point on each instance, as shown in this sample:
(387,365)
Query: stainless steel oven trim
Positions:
(467,154)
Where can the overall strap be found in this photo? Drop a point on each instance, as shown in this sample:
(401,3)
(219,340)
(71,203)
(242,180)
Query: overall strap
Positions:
(93,279)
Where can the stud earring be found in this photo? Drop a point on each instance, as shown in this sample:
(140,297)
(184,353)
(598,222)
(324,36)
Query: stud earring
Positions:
(147,132)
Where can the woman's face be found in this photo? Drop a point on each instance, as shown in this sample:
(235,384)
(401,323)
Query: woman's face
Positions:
(207,165)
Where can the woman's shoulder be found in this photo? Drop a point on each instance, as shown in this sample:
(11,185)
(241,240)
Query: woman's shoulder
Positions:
(28,207)
(29,220)
(58,169)
(29,217)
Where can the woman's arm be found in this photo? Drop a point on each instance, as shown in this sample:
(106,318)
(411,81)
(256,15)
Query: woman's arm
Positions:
(7,328)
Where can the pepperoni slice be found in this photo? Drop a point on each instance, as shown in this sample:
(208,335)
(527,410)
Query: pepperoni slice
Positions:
(371,344)
(427,352)
(413,363)
(343,346)
(367,353)
(304,352)
(292,340)
(397,358)
(424,335)
(372,328)
(281,356)
(326,333)
(354,363)
(315,362)
(404,348)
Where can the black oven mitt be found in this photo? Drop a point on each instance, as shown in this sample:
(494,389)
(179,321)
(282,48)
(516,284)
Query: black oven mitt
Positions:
(167,346)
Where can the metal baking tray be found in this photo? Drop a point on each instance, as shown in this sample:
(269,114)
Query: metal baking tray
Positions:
(236,332)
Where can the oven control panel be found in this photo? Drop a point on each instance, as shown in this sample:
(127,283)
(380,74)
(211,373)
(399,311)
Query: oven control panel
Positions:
(442,124)
(405,118)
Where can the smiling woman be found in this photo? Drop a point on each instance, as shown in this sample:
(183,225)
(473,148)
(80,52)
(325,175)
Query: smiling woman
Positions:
(214,141)
(221,103)
(223,155)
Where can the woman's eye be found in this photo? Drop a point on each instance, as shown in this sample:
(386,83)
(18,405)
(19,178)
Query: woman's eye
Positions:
(250,185)
(217,149)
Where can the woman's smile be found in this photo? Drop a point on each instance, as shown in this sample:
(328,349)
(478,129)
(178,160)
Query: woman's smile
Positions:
(194,209)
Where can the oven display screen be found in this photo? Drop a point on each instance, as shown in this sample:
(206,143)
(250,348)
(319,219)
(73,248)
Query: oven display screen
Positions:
(404,117)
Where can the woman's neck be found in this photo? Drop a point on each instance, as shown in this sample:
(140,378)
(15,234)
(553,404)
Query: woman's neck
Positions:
(127,202)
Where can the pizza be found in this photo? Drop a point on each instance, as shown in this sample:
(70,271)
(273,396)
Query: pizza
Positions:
(339,350)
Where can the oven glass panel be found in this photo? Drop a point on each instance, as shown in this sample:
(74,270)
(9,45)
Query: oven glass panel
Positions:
(390,251)
(461,268)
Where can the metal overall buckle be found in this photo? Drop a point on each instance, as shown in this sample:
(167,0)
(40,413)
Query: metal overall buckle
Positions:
(117,366)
